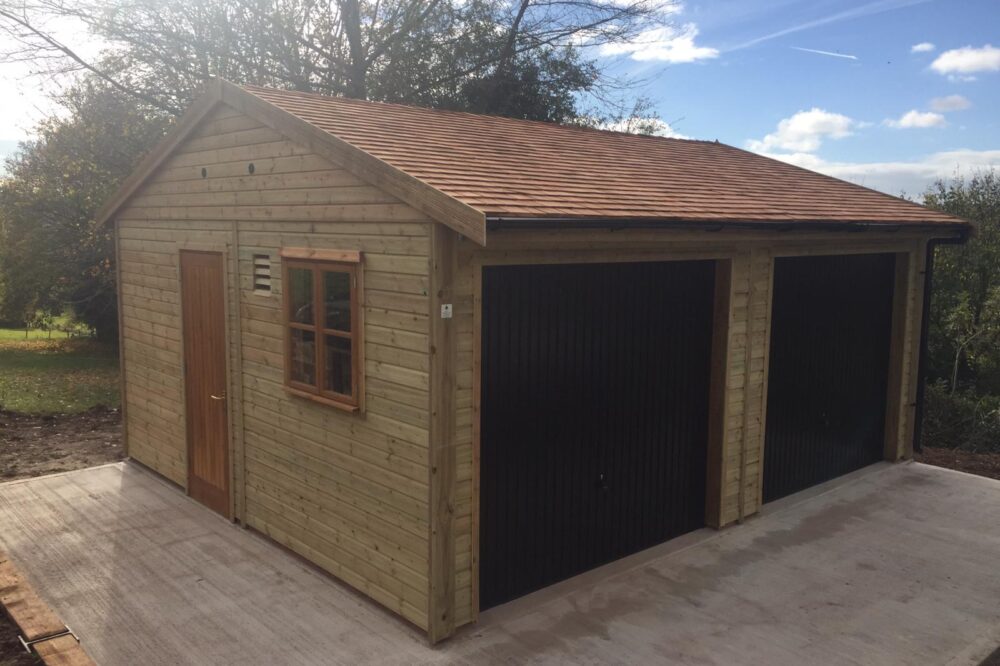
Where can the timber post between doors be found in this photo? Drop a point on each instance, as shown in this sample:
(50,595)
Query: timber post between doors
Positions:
(715,486)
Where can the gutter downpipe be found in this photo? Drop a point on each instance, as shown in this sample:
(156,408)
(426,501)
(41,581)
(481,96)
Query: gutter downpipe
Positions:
(925,325)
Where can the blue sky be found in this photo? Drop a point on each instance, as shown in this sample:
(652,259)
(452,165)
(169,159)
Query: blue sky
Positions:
(746,72)
(879,112)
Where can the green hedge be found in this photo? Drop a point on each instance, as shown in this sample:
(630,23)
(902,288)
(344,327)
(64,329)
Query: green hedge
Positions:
(961,420)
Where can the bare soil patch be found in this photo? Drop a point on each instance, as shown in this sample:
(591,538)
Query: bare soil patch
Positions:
(11,651)
(983,464)
(34,445)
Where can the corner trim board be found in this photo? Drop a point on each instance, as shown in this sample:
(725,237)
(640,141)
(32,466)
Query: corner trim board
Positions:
(442,453)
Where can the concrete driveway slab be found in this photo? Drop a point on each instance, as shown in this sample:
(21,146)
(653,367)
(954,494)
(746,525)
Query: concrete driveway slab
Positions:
(896,564)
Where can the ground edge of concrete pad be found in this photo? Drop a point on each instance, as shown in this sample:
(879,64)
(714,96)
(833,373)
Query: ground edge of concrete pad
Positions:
(39,626)
(983,652)
(68,472)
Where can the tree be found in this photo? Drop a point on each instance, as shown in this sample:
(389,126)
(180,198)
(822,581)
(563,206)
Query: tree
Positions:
(964,342)
(53,255)
(974,336)
(518,58)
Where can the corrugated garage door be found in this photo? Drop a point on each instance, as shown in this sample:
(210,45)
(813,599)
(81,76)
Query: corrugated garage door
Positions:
(830,327)
(594,416)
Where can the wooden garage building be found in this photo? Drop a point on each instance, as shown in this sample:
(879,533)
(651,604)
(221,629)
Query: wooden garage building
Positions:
(452,358)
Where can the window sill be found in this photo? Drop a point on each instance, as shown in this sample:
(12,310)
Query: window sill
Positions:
(351,409)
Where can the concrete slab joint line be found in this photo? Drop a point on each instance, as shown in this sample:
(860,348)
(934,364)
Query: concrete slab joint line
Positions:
(893,564)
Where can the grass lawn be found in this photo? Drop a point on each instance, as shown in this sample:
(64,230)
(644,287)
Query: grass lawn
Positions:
(59,375)
(11,334)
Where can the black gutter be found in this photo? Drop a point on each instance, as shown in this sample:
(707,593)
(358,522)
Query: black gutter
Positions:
(925,326)
(497,223)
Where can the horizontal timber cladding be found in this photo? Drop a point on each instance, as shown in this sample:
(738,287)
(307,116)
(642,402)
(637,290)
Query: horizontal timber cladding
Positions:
(348,492)
(595,388)
(828,377)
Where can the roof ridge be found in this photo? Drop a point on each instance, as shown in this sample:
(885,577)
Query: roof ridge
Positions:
(454,112)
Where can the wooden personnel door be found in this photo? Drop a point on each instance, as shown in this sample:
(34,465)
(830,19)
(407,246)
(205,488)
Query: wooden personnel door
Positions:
(205,377)
(595,393)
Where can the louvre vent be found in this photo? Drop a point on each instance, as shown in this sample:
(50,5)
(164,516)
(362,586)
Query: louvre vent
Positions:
(262,272)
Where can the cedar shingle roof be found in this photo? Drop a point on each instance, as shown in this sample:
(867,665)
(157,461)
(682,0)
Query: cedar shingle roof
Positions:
(515,168)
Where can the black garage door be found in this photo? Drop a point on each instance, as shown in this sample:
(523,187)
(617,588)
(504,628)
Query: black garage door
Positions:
(594,416)
(826,400)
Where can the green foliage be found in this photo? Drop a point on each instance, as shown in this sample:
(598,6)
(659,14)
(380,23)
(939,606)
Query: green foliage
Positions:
(962,398)
(960,420)
(53,255)
(542,87)
(519,58)
(965,304)
(46,326)
(42,376)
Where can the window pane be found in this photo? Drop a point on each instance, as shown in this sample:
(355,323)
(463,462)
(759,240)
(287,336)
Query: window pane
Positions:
(303,356)
(300,295)
(338,364)
(337,300)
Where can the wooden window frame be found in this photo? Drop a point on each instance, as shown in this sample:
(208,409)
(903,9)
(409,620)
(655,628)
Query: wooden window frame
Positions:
(320,262)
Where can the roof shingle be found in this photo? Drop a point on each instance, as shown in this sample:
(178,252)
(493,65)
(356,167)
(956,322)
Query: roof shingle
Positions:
(524,169)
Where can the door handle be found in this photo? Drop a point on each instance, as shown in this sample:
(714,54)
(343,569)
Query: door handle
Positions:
(218,397)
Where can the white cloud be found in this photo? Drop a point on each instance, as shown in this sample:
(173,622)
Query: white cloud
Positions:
(967,60)
(666,44)
(922,47)
(912,177)
(950,103)
(647,125)
(805,131)
(914,118)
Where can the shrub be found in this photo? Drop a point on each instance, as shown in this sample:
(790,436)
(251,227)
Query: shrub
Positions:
(961,420)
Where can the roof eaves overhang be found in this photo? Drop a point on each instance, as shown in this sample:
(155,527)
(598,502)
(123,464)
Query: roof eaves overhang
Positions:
(959,229)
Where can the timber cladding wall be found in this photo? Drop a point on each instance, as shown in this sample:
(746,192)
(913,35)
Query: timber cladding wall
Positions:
(349,492)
